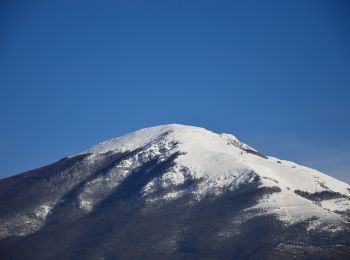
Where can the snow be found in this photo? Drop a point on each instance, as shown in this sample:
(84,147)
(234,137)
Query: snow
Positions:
(205,154)
(340,204)
(220,161)
(24,224)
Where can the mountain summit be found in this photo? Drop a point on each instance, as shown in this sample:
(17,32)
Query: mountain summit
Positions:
(174,192)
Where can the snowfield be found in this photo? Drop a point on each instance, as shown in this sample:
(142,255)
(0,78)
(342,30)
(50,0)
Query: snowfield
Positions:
(223,162)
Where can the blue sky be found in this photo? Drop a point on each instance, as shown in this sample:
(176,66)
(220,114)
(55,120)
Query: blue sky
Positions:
(274,73)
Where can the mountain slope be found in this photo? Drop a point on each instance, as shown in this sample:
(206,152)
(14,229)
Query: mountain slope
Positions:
(174,191)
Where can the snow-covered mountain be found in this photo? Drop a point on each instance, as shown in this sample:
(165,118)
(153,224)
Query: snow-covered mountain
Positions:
(174,191)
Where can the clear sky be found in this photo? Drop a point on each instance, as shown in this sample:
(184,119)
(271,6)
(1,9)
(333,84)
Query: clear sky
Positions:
(274,73)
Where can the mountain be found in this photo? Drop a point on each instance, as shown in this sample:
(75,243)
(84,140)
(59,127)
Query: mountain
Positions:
(174,192)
